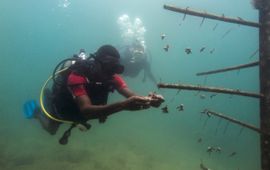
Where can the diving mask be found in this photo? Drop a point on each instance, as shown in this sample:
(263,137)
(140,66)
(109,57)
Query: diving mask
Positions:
(111,65)
(137,55)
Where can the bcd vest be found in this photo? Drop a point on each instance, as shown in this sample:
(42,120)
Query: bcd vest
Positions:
(65,105)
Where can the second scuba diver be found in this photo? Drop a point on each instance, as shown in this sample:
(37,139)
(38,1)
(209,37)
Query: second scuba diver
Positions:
(135,59)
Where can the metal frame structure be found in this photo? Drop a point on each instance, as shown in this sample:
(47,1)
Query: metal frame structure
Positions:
(264,66)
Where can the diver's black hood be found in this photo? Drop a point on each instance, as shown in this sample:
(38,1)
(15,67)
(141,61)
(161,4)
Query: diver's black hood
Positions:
(101,65)
(109,58)
(107,50)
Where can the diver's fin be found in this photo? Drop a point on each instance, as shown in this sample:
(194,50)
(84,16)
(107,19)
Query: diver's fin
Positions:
(29,108)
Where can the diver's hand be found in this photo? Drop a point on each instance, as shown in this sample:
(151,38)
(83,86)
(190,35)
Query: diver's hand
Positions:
(137,103)
(156,99)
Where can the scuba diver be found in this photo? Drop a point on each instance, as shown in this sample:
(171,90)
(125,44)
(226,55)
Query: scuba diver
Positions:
(80,90)
(136,59)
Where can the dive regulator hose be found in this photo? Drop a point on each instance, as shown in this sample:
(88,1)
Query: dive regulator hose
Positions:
(52,77)
(83,126)
(42,103)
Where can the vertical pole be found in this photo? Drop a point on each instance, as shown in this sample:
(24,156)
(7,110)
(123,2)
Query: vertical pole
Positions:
(264,35)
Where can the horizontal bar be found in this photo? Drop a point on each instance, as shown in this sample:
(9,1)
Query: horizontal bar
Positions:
(209,112)
(212,16)
(209,89)
(229,68)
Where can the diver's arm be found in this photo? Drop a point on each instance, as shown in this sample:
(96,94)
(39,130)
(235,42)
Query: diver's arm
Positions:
(91,111)
(126,92)
(155,99)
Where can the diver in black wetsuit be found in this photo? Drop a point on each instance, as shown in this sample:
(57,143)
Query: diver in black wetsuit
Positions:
(135,59)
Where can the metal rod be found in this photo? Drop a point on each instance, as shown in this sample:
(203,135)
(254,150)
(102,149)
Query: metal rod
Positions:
(264,56)
(231,119)
(211,16)
(229,68)
(209,89)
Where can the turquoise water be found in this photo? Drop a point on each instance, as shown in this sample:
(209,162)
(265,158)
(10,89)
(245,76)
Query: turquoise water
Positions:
(35,35)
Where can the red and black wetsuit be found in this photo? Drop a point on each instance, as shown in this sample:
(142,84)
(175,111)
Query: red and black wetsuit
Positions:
(78,85)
